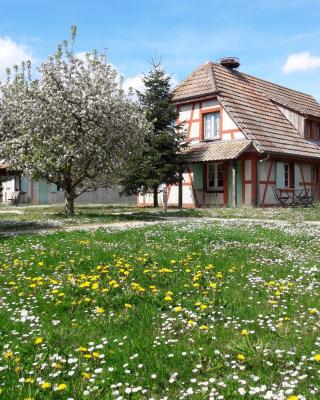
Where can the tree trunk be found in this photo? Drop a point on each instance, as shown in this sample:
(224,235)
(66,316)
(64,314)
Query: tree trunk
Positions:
(69,203)
(155,197)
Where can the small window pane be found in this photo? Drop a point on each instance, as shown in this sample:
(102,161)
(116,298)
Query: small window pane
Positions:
(220,175)
(308,130)
(317,131)
(211,176)
(286,175)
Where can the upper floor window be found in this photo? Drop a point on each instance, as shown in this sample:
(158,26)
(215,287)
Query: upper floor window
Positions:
(215,176)
(316,131)
(211,125)
(308,130)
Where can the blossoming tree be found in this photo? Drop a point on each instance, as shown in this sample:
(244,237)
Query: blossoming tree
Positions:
(73,125)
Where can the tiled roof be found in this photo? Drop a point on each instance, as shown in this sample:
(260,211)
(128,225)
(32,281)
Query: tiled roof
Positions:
(215,151)
(251,103)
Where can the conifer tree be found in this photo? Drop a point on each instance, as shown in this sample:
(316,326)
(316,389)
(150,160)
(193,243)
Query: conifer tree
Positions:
(157,163)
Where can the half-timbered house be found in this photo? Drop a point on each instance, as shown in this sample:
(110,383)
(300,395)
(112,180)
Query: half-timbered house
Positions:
(251,141)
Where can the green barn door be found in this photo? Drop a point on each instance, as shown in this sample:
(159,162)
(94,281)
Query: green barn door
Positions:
(43,191)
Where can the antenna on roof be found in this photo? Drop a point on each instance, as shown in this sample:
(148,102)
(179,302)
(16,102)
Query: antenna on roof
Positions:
(230,62)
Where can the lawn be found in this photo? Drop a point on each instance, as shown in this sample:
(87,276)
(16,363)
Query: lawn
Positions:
(52,216)
(198,309)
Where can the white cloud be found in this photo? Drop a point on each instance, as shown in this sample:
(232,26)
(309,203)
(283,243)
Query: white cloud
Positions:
(11,54)
(134,82)
(301,62)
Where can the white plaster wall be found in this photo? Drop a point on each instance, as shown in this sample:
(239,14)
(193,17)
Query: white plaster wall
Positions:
(238,135)
(210,104)
(194,131)
(185,112)
(227,121)
(248,194)
(247,169)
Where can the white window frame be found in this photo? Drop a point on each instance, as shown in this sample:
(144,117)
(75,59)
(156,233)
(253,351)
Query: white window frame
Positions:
(215,129)
(215,185)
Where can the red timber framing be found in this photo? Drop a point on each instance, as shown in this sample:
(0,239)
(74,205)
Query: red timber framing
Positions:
(302,182)
(189,122)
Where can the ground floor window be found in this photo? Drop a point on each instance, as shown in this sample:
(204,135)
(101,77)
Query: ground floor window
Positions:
(215,176)
(286,175)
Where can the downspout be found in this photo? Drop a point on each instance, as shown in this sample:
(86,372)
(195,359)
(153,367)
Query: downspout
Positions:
(266,158)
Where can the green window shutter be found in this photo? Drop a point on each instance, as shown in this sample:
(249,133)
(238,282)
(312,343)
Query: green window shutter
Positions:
(24,184)
(279,175)
(297,173)
(197,170)
(53,188)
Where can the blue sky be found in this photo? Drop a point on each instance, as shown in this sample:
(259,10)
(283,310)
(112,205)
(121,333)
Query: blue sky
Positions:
(275,40)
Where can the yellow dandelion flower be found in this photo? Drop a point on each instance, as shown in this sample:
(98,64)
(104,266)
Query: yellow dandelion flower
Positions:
(178,309)
(219,275)
(86,375)
(168,298)
(191,322)
(203,327)
(317,357)
(213,285)
(244,332)
(8,354)
(100,310)
(38,340)
(313,311)
(96,354)
(241,357)
(127,305)
(45,385)
(61,386)
(293,398)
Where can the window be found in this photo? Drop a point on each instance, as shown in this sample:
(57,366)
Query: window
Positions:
(316,131)
(211,125)
(314,174)
(17,183)
(286,175)
(308,130)
(215,176)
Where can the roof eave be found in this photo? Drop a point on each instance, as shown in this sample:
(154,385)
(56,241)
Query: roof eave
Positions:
(190,99)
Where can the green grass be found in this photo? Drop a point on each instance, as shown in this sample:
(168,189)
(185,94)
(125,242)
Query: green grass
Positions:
(114,294)
(46,217)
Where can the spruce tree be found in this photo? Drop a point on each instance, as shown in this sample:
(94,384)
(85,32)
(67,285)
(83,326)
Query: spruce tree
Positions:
(157,163)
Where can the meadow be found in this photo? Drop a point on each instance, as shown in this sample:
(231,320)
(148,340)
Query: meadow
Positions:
(190,309)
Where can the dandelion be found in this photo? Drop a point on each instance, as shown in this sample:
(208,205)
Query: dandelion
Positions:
(99,310)
(127,305)
(46,385)
(241,357)
(244,332)
(61,387)
(317,357)
(38,340)
(178,309)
